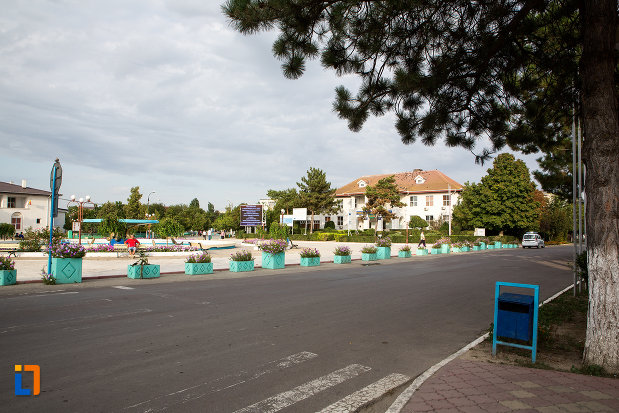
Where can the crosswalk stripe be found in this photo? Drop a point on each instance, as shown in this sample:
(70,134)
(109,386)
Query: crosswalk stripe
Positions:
(201,390)
(366,395)
(122,287)
(304,391)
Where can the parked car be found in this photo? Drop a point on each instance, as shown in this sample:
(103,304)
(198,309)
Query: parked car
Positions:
(532,239)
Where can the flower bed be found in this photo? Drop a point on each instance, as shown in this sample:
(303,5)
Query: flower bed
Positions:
(67,251)
(383,242)
(241,261)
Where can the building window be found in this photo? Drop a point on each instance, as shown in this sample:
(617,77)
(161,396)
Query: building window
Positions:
(340,220)
(327,219)
(11,202)
(413,201)
(429,200)
(359,200)
(429,219)
(446,200)
(38,220)
(16,221)
(445,218)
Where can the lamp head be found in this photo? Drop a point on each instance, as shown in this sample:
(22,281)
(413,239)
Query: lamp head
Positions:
(72,197)
(87,198)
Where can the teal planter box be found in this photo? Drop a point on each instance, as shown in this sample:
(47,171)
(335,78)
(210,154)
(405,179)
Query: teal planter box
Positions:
(421,251)
(490,247)
(383,253)
(310,262)
(67,270)
(149,271)
(497,245)
(482,246)
(455,249)
(8,277)
(404,254)
(465,249)
(445,248)
(197,268)
(476,247)
(368,257)
(273,261)
(435,251)
(241,266)
(342,259)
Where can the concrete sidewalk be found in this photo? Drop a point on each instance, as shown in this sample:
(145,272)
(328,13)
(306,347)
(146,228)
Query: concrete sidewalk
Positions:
(479,386)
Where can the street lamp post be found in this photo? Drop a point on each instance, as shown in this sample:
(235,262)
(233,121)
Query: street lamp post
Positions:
(80,211)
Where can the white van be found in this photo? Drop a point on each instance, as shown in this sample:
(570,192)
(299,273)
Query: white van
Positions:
(532,239)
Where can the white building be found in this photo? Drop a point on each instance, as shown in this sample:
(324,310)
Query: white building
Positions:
(25,207)
(428,194)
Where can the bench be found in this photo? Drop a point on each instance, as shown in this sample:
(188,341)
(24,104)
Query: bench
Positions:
(11,252)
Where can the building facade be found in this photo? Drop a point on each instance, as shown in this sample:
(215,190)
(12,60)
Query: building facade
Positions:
(25,207)
(428,194)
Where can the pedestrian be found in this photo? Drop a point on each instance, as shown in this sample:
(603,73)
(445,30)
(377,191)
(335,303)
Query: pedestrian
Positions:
(132,245)
(223,234)
(210,234)
(422,240)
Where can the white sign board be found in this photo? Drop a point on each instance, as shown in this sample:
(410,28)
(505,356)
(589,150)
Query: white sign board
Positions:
(299,214)
(76,226)
(480,232)
(287,220)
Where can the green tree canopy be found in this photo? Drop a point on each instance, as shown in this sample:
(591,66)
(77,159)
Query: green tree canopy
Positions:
(503,201)
(286,199)
(555,175)
(381,197)
(134,208)
(316,194)
(556,220)
(168,227)
(417,222)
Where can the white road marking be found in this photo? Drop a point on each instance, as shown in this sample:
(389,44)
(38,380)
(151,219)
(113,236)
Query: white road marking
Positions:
(304,391)
(122,287)
(366,395)
(184,395)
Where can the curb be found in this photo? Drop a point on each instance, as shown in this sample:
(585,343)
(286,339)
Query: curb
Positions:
(407,394)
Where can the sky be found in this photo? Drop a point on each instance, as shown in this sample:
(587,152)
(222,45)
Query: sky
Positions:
(165,95)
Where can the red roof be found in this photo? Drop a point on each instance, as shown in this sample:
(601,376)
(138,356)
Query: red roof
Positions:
(416,181)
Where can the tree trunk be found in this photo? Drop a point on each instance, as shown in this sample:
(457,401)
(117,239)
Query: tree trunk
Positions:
(312,224)
(601,149)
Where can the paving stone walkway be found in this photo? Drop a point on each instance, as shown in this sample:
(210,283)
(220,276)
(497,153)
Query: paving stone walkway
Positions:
(479,386)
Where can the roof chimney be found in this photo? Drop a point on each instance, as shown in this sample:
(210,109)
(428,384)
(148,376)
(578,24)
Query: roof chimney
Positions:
(23,183)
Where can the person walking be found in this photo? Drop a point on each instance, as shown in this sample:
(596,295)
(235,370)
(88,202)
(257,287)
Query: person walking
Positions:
(422,240)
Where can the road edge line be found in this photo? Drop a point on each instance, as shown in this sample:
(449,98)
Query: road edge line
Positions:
(407,394)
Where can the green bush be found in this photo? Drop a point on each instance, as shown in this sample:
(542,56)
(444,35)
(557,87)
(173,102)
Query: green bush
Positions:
(6,230)
(278,231)
(330,225)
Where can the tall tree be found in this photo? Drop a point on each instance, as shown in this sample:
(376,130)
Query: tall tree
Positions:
(316,194)
(510,71)
(380,197)
(134,208)
(502,201)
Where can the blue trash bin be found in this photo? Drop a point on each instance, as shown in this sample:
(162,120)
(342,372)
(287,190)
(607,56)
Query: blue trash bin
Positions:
(515,316)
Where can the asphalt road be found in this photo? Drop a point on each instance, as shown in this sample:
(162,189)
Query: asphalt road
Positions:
(293,340)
